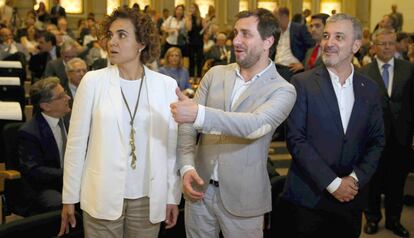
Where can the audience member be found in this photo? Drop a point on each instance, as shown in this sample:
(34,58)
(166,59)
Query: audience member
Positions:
(225,133)
(395,79)
(194,28)
(75,70)
(174,26)
(220,53)
(11,50)
(68,51)
(57,11)
(294,41)
(317,25)
(42,14)
(62,26)
(29,42)
(301,17)
(335,136)
(398,17)
(47,51)
(403,40)
(42,142)
(173,67)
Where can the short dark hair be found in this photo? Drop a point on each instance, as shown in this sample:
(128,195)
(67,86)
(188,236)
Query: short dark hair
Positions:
(267,25)
(321,16)
(402,35)
(145,31)
(48,36)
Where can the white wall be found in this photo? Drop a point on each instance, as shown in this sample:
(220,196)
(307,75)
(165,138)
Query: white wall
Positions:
(382,7)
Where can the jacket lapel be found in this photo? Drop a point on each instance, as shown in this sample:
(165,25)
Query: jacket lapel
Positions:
(229,80)
(378,78)
(328,93)
(255,86)
(357,109)
(116,97)
(49,141)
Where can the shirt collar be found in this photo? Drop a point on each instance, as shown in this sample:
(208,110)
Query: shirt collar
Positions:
(257,75)
(381,63)
(348,81)
(52,121)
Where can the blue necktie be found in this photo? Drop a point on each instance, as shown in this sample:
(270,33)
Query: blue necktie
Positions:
(386,75)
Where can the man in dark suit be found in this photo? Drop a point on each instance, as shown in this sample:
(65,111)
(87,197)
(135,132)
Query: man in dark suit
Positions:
(312,57)
(294,41)
(57,11)
(395,79)
(335,135)
(41,143)
(68,51)
(220,53)
(75,70)
(48,50)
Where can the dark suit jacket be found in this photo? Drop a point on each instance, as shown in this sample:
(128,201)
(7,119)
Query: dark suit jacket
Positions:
(214,53)
(320,149)
(57,68)
(39,155)
(300,40)
(399,108)
(37,64)
(58,11)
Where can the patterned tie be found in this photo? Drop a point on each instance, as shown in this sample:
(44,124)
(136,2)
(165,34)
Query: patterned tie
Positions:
(386,75)
(313,57)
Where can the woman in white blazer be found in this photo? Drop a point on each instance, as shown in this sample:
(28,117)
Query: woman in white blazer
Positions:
(121,151)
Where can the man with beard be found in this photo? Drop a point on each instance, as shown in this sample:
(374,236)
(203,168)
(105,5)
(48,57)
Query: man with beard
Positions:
(335,136)
(231,121)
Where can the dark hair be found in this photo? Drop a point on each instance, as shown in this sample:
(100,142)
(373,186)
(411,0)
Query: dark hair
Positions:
(267,25)
(175,9)
(401,36)
(284,11)
(145,31)
(49,37)
(321,16)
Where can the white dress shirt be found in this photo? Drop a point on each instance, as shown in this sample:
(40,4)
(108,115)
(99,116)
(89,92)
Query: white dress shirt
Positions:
(345,97)
(240,85)
(137,180)
(284,54)
(390,71)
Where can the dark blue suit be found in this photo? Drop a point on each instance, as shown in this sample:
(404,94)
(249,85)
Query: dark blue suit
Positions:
(321,151)
(40,162)
(300,40)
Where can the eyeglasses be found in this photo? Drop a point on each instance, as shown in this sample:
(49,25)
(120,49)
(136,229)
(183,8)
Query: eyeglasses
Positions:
(60,96)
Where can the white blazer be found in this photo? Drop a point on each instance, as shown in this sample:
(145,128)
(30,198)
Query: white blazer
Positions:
(96,152)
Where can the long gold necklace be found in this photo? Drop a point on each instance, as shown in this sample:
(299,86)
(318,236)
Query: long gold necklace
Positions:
(131,123)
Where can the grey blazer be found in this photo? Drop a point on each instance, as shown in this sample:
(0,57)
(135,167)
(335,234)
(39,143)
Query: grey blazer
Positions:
(57,68)
(238,137)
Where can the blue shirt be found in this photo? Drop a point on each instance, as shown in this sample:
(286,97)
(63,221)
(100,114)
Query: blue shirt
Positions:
(179,74)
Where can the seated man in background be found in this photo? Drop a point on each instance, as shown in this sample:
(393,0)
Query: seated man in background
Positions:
(75,70)
(220,53)
(41,144)
(48,50)
(11,50)
(68,50)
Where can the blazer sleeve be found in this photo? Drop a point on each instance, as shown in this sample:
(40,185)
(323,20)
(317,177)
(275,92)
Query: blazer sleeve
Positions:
(303,153)
(79,130)
(31,157)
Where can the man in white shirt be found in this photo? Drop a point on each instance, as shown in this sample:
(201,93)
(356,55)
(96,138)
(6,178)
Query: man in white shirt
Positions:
(335,136)
(41,145)
(236,110)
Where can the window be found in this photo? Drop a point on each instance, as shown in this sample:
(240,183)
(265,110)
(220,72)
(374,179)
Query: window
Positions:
(327,6)
(72,6)
(267,4)
(111,5)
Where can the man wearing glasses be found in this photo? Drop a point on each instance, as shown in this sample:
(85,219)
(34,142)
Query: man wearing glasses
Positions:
(395,79)
(41,146)
(75,70)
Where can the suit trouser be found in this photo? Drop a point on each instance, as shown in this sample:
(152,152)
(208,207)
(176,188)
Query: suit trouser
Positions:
(339,221)
(389,179)
(134,222)
(204,219)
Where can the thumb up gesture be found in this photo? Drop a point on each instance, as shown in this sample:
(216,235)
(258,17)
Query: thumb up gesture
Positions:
(185,110)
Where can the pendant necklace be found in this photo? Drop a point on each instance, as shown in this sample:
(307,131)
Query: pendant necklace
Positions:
(131,123)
